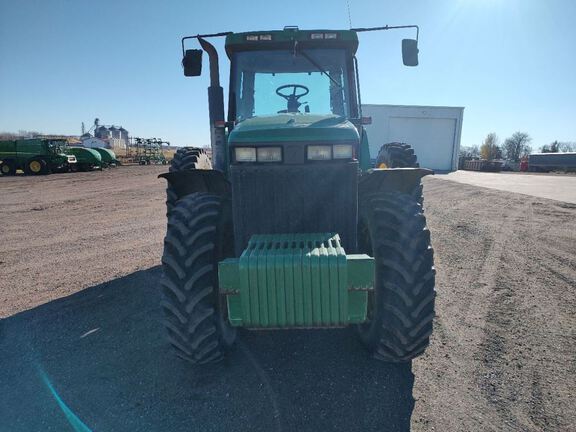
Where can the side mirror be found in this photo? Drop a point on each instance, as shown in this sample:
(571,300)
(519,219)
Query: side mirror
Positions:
(192,63)
(410,52)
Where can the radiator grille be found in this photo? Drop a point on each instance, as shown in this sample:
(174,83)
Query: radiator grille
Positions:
(292,199)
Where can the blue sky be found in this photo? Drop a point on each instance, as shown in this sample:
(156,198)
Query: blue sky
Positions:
(510,63)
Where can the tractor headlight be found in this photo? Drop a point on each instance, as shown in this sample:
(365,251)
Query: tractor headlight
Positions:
(245,154)
(342,151)
(319,152)
(269,154)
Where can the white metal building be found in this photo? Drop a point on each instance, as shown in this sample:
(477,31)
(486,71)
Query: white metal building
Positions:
(93,142)
(433,131)
(115,144)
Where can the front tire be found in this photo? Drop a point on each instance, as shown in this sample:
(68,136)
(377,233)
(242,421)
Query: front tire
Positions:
(401,307)
(37,166)
(197,238)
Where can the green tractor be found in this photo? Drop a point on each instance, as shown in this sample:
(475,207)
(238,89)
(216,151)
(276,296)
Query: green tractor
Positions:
(291,224)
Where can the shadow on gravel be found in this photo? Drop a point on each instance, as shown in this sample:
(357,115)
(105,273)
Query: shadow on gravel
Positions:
(103,352)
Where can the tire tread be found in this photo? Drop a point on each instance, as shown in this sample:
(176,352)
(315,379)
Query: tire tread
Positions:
(405,276)
(189,293)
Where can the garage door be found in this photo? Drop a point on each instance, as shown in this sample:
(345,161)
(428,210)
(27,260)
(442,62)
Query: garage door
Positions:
(432,139)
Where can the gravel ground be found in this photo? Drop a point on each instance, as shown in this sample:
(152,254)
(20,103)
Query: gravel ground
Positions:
(504,347)
(557,186)
(81,333)
(65,232)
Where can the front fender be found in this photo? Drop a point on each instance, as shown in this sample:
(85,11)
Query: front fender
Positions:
(191,181)
(402,180)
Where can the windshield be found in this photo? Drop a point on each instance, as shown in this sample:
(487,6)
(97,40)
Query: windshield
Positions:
(272,82)
(57,146)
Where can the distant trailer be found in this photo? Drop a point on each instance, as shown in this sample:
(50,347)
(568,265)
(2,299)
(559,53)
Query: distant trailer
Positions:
(483,165)
(544,162)
(433,131)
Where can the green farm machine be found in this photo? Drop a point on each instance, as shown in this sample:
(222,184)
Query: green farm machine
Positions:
(108,157)
(292,224)
(88,159)
(147,151)
(35,156)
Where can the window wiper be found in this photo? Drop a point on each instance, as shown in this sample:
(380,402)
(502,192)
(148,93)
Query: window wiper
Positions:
(311,60)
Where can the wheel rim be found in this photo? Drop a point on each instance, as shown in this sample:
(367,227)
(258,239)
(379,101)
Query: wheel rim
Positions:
(35,166)
(5,169)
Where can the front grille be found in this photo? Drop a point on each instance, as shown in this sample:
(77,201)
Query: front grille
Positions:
(294,199)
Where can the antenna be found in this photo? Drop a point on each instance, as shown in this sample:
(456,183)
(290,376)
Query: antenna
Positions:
(349,17)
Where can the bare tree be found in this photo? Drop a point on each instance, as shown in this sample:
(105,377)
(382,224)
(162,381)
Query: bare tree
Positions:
(490,149)
(517,146)
(21,134)
(7,136)
(567,146)
(470,151)
(551,148)
(557,147)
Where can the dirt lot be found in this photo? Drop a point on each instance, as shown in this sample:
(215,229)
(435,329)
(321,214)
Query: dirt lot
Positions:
(65,232)
(79,265)
(559,186)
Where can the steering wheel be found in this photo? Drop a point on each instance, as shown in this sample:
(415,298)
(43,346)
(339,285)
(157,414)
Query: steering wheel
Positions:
(293,95)
(292,99)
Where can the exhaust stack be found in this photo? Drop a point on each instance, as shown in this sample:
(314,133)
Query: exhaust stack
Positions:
(215,108)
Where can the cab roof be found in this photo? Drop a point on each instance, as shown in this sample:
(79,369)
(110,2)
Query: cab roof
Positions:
(284,39)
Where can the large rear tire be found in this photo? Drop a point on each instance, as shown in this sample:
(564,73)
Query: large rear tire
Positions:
(396,155)
(186,158)
(400,155)
(190,158)
(197,238)
(37,166)
(401,307)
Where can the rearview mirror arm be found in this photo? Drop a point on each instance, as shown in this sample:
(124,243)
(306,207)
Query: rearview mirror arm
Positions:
(387,27)
(202,37)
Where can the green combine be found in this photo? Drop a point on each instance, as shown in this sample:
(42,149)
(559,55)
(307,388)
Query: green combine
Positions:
(35,156)
(293,224)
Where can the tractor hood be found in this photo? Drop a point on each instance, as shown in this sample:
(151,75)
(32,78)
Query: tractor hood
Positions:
(294,127)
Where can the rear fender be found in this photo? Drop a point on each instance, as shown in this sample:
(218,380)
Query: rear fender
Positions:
(191,181)
(402,180)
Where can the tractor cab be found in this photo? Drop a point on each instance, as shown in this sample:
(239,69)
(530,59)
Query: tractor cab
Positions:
(293,86)
(290,80)
(292,71)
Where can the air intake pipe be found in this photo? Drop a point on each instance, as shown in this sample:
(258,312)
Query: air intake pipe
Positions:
(215,108)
